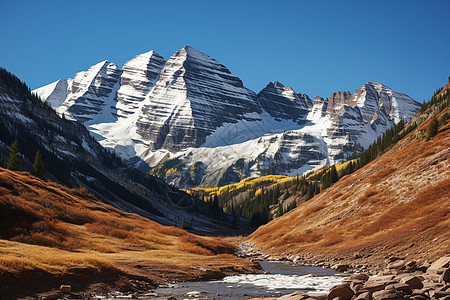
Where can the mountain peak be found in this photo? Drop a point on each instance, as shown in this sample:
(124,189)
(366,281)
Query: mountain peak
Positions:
(194,95)
(281,102)
(374,96)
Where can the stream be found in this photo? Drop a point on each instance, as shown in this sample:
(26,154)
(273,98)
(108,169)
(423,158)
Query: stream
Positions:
(284,278)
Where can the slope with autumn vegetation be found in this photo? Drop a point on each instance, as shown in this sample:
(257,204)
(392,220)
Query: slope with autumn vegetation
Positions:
(52,235)
(398,204)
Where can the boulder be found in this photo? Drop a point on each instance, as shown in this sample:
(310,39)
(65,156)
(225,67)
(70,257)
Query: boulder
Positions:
(424,267)
(441,264)
(387,294)
(402,287)
(65,288)
(342,291)
(414,282)
(364,296)
(445,277)
(341,267)
(386,278)
(361,276)
(396,264)
(356,286)
(421,292)
(373,286)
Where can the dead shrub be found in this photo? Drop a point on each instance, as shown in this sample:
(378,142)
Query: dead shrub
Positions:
(370,192)
(313,209)
(381,174)
(331,239)
(211,244)
(307,236)
(108,230)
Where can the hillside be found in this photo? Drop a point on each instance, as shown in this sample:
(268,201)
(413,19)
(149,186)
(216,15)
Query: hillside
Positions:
(398,204)
(52,235)
(72,157)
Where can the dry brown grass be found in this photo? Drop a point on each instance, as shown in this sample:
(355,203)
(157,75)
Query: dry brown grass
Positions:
(313,209)
(369,193)
(45,227)
(399,203)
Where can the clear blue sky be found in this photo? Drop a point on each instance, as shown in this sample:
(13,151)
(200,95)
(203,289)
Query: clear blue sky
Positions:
(316,47)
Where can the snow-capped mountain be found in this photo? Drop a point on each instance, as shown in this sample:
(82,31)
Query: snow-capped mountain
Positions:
(139,76)
(282,103)
(193,97)
(195,124)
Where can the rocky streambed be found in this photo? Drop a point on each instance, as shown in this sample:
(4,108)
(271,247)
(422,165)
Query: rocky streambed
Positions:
(379,279)
(295,277)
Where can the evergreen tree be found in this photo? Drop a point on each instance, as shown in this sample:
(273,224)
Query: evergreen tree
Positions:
(183,224)
(2,162)
(333,174)
(38,166)
(14,159)
(432,128)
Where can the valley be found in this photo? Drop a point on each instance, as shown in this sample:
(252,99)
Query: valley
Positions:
(356,183)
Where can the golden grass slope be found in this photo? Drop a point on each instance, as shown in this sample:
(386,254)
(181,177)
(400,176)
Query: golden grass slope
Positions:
(397,204)
(50,231)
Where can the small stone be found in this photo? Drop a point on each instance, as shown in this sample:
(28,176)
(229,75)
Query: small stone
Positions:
(294,296)
(341,267)
(364,296)
(373,286)
(403,287)
(65,288)
(356,286)
(386,294)
(412,265)
(396,265)
(385,278)
(445,276)
(393,258)
(152,294)
(193,294)
(317,295)
(342,291)
(423,267)
(443,262)
(419,297)
(422,292)
(439,294)
(414,282)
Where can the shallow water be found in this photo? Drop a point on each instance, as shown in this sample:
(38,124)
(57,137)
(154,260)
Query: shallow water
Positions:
(285,278)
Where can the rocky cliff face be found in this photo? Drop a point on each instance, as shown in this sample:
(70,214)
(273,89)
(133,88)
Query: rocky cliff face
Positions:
(194,96)
(197,125)
(139,76)
(282,103)
(90,92)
